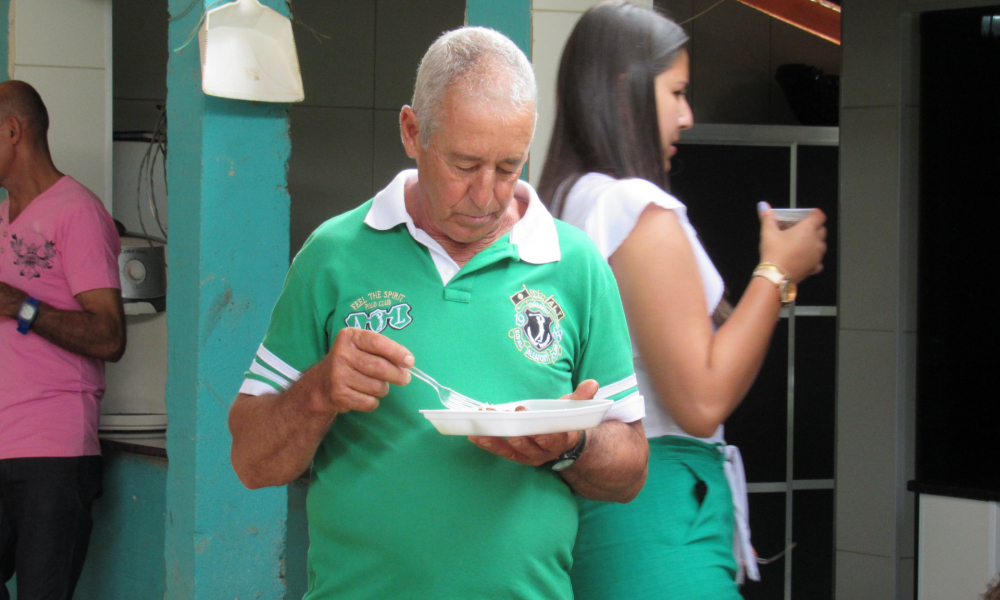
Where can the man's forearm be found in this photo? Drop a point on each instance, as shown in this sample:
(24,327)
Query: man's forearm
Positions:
(275,435)
(613,465)
(81,332)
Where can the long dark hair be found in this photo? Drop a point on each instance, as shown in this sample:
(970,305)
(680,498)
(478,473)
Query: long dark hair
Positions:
(605,100)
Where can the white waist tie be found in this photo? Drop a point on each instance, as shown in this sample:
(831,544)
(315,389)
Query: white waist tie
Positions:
(746,561)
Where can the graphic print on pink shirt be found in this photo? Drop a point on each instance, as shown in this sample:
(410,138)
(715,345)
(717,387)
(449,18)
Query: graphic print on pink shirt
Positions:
(32,258)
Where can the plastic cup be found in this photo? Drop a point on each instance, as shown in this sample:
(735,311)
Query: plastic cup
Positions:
(786,217)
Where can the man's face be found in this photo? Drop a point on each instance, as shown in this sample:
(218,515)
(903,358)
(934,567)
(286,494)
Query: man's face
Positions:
(467,174)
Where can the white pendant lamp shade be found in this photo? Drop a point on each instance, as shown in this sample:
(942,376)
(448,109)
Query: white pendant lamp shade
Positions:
(248,53)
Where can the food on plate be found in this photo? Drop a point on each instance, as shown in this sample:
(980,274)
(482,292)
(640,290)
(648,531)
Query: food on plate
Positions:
(518,408)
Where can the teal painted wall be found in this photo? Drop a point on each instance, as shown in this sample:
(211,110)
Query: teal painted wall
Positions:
(125,560)
(4,40)
(510,17)
(228,254)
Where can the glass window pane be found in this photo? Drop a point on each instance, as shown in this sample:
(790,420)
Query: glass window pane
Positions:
(759,426)
(721,186)
(815,379)
(812,531)
(816,187)
(767,532)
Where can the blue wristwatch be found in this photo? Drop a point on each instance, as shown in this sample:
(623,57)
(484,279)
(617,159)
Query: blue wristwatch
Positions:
(26,314)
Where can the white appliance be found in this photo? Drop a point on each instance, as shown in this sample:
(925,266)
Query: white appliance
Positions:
(134,401)
(135,396)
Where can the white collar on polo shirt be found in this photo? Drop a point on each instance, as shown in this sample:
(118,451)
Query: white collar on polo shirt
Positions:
(534,235)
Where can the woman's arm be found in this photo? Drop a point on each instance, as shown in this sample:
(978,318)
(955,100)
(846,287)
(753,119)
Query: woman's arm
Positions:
(701,377)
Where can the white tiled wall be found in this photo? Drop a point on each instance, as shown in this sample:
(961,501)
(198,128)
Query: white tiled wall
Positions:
(959,542)
(63,48)
(877,340)
(549,31)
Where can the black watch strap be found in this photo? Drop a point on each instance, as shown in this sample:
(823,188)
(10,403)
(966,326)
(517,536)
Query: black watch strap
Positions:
(566,459)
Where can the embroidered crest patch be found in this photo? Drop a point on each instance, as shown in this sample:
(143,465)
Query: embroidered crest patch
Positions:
(380,309)
(537,333)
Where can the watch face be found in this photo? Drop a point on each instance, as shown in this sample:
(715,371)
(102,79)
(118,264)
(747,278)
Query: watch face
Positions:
(27,312)
(789,291)
(563,464)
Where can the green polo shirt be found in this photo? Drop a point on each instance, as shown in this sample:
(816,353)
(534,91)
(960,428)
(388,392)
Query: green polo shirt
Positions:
(395,509)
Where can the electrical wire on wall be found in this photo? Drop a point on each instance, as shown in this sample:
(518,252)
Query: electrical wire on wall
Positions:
(157,149)
(701,14)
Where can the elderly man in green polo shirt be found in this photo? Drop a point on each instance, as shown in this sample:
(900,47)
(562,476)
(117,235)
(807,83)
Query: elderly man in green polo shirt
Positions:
(458,267)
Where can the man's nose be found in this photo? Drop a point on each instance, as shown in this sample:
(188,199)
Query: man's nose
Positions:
(481,188)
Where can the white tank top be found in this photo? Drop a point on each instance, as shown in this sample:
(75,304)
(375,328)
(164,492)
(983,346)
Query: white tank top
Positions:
(607,209)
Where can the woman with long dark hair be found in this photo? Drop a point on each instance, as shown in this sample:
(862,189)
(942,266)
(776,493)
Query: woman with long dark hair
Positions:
(621,107)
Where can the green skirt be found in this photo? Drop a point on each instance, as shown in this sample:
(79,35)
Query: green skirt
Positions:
(674,541)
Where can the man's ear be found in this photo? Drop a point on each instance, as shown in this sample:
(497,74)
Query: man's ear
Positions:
(15,129)
(409,130)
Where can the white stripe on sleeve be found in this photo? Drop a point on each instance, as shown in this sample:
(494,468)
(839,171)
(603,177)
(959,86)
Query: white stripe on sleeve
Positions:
(628,409)
(255,387)
(616,388)
(269,375)
(268,358)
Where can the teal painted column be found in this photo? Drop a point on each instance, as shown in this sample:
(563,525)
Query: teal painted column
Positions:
(510,17)
(227,255)
(4,40)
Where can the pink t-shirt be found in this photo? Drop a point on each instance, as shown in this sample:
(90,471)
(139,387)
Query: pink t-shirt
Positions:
(63,243)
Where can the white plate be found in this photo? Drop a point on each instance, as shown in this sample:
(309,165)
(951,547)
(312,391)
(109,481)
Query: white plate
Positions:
(542,416)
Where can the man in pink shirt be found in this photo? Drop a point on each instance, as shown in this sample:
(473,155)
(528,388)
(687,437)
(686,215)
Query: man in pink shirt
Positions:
(61,317)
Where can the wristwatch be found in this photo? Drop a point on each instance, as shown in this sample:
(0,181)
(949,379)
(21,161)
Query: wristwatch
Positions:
(26,314)
(779,277)
(566,459)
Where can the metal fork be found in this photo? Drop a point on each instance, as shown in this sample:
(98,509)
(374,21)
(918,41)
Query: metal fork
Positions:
(448,396)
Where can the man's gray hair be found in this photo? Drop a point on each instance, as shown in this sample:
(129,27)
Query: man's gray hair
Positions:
(489,67)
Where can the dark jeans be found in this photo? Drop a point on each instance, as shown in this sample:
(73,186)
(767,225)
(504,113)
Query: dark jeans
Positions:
(45,523)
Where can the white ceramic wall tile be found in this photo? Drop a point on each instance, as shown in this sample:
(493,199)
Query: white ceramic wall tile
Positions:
(906,581)
(866,442)
(338,64)
(869,218)
(870,35)
(140,51)
(678,10)
(79,131)
(136,115)
(60,33)
(330,170)
(403,32)
(791,45)
(958,540)
(865,577)
(730,68)
(908,397)
(909,214)
(390,157)
(549,33)
(909,44)
(571,5)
